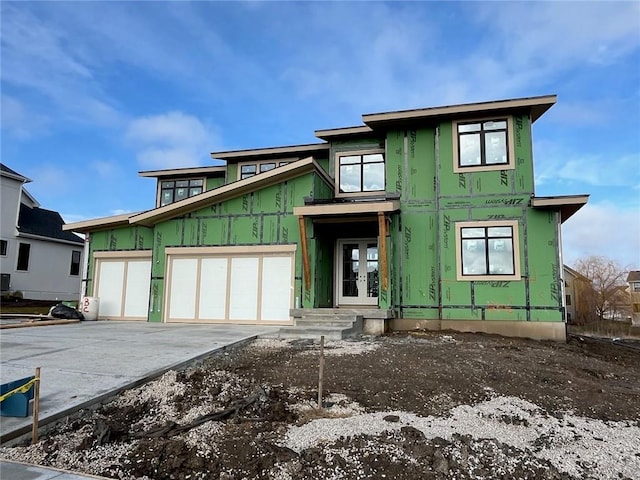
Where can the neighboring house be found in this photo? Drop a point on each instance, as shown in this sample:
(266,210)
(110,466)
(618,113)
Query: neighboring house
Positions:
(576,286)
(422,218)
(37,257)
(633,279)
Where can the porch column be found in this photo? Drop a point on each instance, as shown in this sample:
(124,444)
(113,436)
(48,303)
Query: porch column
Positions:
(305,252)
(382,231)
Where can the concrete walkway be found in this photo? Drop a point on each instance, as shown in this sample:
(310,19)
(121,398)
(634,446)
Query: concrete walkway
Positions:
(23,471)
(88,362)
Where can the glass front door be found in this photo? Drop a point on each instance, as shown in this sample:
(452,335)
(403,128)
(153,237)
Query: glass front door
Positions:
(357,280)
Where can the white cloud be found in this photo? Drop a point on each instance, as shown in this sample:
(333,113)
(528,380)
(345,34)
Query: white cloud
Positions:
(604,229)
(559,167)
(19,120)
(171,140)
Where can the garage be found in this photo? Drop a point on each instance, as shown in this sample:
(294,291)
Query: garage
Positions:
(122,284)
(244,285)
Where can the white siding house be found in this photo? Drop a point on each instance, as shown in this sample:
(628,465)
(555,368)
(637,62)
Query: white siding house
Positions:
(37,258)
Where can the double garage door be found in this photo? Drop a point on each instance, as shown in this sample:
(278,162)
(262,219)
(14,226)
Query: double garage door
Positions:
(122,284)
(249,285)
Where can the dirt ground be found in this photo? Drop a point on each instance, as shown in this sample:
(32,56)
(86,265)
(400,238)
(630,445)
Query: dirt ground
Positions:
(423,405)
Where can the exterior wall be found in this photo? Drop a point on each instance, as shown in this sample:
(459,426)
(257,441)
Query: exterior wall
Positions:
(423,242)
(634,296)
(10,197)
(124,239)
(38,282)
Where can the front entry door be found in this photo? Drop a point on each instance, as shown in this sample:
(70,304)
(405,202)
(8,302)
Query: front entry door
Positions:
(357,281)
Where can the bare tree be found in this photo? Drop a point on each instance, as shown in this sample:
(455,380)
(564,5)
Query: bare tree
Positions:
(605,294)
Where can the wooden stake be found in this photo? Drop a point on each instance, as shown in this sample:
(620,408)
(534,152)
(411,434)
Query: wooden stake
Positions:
(321,372)
(36,407)
(382,230)
(305,253)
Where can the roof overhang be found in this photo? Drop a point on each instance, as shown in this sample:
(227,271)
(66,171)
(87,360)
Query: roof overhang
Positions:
(272,152)
(347,208)
(179,172)
(536,105)
(352,132)
(567,205)
(230,190)
(103,223)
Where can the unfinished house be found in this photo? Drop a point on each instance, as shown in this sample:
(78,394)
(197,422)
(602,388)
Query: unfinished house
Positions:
(415,219)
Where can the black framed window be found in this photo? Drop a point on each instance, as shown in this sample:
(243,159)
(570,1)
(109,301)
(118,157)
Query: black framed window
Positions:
(24,250)
(483,143)
(487,250)
(3,247)
(75,263)
(250,169)
(175,190)
(361,172)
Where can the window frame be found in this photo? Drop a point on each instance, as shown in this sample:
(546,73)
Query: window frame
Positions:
(28,257)
(279,162)
(4,247)
(174,180)
(635,286)
(361,153)
(515,231)
(483,167)
(77,264)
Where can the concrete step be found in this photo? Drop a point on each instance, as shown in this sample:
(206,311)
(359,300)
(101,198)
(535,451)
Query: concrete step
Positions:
(330,333)
(326,321)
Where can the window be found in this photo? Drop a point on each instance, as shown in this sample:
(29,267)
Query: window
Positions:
(3,247)
(247,170)
(360,172)
(175,190)
(635,286)
(23,256)
(75,263)
(488,250)
(483,145)
(568,300)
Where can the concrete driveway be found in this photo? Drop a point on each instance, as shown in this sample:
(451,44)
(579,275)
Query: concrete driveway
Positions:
(87,362)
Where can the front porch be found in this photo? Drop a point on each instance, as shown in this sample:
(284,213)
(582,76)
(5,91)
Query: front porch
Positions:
(337,323)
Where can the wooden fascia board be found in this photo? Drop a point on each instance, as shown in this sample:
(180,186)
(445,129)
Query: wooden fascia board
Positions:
(270,151)
(182,172)
(225,192)
(538,106)
(567,205)
(342,132)
(99,223)
(347,208)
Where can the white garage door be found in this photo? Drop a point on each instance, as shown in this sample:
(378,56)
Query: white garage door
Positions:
(122,285)
(230,284)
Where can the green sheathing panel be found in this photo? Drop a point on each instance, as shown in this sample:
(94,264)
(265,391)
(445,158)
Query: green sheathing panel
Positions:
(350,145)
(232,173)
(263,217)
(214,182)
(433,198)
(118,239)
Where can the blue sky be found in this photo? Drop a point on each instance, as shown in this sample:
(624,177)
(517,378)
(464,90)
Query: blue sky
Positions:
(93,92)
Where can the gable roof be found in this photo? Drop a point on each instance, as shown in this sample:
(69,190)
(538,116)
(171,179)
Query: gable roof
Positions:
(44,223)
(230,190)
(634,276)
(9,173)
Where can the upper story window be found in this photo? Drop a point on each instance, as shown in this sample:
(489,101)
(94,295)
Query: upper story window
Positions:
(175,190)
(635,286)
(24,251)
(483,145)
(360,172)
(247,170)
(488,250)
(75,262)
(3,247)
